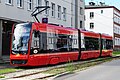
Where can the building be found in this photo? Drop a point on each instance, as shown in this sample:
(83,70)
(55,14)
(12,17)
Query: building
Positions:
(103,19)
(79,14)
(61,12)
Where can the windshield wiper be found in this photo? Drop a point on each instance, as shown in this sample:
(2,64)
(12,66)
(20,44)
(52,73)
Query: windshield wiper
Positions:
(15,52)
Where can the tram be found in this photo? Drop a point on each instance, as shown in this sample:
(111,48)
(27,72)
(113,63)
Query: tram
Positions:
(37,44)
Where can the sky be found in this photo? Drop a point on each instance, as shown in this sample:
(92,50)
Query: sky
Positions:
(115,3)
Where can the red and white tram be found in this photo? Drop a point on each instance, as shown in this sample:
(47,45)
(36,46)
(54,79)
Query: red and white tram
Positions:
(35,44)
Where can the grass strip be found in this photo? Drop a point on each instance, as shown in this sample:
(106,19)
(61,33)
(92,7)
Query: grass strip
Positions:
(2,76)
(7,70)
(75,67)
(115,53)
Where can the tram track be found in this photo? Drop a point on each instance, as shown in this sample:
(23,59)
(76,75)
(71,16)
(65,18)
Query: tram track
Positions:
(37,71)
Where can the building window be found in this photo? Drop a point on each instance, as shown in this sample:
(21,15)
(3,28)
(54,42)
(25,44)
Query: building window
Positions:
(101,11)
(117,30)
(81,23)
(20,3)
(72,6)
(59,12)
(91,14)
(91,25)
(119,20)
(64,13)
(53,9)
(39,2)
(115,41)
(84,17)
(29,2)
(114,29)
(71,21)
(10,2)
(47,4)
(115,19)
(81,0)
(81,11)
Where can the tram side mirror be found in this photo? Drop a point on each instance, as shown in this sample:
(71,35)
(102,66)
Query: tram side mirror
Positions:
(36,33)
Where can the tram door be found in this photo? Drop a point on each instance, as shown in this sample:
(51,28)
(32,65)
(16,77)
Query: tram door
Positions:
(6,37)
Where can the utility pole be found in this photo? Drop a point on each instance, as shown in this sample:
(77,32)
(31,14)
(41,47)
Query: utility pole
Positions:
(76,14)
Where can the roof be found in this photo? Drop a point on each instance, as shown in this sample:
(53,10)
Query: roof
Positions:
(101,6)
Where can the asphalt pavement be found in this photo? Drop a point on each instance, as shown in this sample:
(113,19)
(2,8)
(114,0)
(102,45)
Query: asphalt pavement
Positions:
(104,71)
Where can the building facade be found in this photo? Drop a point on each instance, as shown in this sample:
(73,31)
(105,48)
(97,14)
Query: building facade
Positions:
(61,12)
(104,19)
(79,14)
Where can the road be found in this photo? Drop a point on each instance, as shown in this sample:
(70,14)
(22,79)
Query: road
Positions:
(105,71)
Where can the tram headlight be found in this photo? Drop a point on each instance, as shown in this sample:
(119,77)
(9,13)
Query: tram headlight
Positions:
(35,51)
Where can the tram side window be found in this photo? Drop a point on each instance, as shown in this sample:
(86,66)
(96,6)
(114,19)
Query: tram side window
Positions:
(39,43)
(109,44)
(64,43)
(43,43)
(91,43)
(35,45)
(75,44)
(51,42)
(103,43)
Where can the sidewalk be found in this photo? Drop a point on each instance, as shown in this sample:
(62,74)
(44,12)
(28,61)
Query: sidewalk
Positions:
(5,65)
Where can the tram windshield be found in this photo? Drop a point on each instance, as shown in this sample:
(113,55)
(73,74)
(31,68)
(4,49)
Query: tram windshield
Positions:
(21,36)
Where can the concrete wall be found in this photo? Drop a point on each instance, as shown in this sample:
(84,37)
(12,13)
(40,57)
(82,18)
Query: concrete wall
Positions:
(12,12)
